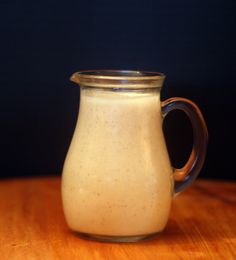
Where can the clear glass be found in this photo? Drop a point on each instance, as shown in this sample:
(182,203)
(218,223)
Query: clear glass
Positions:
(117,182)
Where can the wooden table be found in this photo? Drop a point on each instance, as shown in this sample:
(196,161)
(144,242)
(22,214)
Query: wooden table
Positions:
(202,225)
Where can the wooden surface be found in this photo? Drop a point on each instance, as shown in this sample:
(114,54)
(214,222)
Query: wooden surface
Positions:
(202,225)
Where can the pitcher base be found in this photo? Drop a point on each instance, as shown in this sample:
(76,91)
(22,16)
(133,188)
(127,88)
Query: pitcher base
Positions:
(119,239)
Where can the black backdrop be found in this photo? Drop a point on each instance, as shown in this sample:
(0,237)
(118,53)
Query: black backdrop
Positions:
(43,42)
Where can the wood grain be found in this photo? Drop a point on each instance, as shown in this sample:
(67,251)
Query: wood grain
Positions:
(202,225)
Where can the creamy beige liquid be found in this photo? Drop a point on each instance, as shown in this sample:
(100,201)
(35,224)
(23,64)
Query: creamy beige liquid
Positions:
(117,178)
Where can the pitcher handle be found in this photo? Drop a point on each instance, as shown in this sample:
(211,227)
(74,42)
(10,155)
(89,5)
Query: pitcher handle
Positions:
(186,175)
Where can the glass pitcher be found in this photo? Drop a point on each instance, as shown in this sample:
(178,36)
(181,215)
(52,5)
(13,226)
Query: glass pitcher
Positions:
(117,182)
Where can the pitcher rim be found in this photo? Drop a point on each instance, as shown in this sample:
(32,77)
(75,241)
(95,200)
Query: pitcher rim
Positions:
(119,74)
(118,79)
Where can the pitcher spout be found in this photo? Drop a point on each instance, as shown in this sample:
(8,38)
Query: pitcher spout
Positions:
(75,77)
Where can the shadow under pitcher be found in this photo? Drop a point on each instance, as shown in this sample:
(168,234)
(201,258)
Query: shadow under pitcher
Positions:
(117,181)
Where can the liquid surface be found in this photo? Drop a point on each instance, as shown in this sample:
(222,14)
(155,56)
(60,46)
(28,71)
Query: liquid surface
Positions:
(117,178)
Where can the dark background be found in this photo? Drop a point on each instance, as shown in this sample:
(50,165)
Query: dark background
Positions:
(43,42)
